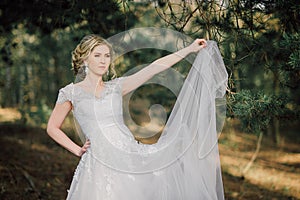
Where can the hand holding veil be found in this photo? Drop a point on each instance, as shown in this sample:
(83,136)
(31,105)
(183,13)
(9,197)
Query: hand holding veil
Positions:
(189,138)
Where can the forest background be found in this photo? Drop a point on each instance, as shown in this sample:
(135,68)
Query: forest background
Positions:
(260,45)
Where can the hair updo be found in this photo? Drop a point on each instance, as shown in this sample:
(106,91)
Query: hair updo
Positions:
(84,49)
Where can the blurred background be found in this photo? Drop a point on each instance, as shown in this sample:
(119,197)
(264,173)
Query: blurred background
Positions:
(260,45)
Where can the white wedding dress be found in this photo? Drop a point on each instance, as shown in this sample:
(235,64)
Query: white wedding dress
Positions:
(183,165)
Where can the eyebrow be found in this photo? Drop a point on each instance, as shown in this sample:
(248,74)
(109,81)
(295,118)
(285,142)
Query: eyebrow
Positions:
(101,53)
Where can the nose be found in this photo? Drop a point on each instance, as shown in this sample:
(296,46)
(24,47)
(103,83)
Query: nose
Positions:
(102,59)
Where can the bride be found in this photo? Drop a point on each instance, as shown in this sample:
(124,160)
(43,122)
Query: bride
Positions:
(183,164)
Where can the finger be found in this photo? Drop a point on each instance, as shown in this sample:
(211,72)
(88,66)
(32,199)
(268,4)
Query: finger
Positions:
(87,142)
(202,42)
(84,149)
(86,145)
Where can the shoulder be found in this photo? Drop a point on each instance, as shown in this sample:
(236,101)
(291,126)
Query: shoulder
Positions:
(65,93)
(116,81)
(68,86)
(115,85)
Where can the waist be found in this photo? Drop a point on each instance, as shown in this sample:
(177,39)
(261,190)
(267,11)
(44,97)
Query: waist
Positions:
(111,121)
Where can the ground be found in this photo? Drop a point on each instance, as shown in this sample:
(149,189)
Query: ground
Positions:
(33,167)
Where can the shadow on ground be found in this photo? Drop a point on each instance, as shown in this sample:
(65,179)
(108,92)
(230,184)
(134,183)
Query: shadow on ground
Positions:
(33,167)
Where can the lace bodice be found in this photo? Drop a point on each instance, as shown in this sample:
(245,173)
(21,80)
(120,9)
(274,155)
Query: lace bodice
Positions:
(183,164)
(105,110)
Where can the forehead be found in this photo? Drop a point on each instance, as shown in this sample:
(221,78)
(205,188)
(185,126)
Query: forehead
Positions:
(101,49)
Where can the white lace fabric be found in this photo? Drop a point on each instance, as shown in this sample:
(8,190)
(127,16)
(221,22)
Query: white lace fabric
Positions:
(183,164)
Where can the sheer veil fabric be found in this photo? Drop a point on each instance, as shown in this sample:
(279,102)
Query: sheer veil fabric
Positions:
(183,164)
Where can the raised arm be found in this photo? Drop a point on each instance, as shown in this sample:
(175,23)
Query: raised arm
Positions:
(56,119)
(134,81)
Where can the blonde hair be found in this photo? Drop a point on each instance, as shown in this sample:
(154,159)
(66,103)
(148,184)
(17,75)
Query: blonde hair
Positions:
(84,49)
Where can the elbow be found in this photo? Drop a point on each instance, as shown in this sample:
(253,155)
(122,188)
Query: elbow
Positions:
(51,129)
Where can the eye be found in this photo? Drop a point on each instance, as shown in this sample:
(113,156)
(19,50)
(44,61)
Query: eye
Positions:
(107,55)
(97,55)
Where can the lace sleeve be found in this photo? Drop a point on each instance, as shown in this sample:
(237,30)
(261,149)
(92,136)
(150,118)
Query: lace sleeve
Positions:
(117,84)
(64,94)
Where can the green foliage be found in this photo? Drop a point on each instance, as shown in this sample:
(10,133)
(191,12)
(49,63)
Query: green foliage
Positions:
(291,45)
(255,110)
(37,115)
(36,47)
(259,41)
(97,16)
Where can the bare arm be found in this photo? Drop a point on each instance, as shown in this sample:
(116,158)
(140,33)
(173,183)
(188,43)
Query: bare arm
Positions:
(56,119)
(134,81)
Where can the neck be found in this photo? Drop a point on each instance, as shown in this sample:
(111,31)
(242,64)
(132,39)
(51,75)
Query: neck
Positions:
(94,80)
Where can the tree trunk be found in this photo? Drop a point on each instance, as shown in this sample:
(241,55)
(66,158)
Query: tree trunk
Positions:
(8,94)
(254,156)
(276,123)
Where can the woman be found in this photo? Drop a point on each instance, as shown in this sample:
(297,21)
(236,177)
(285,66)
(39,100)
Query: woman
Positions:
(113,165)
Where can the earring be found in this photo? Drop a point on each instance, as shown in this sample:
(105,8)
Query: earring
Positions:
(107,73)
(86,68)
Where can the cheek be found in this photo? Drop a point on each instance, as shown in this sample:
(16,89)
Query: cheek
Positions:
(93,61)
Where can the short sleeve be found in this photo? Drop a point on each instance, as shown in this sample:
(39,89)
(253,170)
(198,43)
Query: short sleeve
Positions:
(119,83)
(115,84)
(64,94)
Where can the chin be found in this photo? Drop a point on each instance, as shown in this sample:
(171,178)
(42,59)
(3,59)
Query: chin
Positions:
(102,73)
